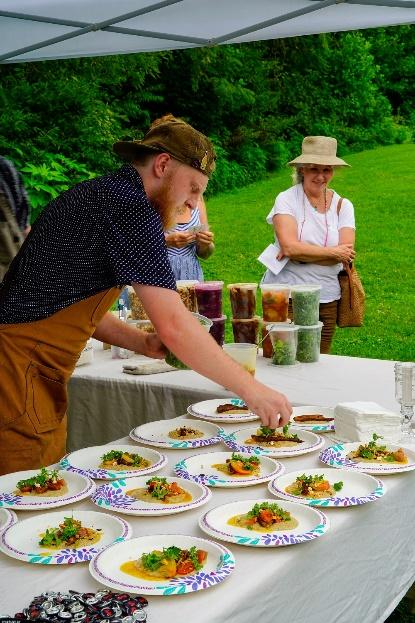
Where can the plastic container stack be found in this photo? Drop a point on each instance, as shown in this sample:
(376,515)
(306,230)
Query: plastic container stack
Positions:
(245,323)
(306,302)
(209,304)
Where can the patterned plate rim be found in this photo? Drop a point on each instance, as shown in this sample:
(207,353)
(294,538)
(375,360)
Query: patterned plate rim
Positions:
(11,519)
(177,444)
(10,499)
(179,586)
(212,480)
(333,456)
(104,474)
(240,417)
(266,539)
(127,502)
(229,440)
(338,502)
(64,556)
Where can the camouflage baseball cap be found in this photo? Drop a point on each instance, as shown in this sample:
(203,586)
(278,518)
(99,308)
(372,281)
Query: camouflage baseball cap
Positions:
(175,137)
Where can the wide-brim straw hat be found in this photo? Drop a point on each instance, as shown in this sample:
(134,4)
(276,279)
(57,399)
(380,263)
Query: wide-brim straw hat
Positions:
(175,137)
(319,150)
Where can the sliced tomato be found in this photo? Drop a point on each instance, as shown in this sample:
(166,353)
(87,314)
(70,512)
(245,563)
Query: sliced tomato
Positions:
(201,556)
(239,468)
(185,567)
(321,486)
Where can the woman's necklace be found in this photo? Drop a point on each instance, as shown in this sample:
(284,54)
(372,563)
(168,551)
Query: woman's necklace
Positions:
(316,209)
(315,206)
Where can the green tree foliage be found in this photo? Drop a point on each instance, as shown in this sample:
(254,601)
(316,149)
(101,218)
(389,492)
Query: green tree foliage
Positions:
(256,101)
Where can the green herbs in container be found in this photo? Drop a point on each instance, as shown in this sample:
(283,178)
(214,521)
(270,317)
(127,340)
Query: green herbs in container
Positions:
(284,343)
(308,347)
(306,303)
(171,358)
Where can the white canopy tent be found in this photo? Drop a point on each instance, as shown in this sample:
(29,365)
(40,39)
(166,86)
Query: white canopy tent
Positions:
(34,30)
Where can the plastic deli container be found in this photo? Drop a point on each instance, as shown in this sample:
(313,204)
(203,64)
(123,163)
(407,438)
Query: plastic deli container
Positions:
(243,300)
(246,331)
(137,310)
(217,330)
(244,354)
(284,343)
(209,298)
(306,303)
(275,299)
(186,290)
(308,347)
(171,358)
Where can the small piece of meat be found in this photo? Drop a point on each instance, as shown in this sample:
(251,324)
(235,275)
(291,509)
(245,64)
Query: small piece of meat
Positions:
(314,417)
(229,407)
(263,439)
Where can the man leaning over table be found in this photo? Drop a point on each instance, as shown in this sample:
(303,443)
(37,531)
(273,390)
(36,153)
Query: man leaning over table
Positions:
(85,246)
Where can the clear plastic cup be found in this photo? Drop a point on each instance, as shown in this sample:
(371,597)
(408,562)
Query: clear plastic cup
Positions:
(171,358)
(243,300)
(306,304)
(217,330)
(308,346)
(244,354)
(284,343)
(275,299)
(209,298)
(186,290)
(246,331)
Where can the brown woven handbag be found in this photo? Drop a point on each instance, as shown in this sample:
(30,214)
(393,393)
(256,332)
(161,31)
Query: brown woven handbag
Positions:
(351,306)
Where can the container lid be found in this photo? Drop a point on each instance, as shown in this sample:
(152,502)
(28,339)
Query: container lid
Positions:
(305,287)
(311,326)
(218,319)
(281,326)
(240,345)
(205,322)
(247,320)
(209,285)
(186,282)
(246,286)
(277,287)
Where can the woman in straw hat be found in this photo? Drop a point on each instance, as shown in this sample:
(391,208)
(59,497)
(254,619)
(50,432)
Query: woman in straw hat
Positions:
(315,228)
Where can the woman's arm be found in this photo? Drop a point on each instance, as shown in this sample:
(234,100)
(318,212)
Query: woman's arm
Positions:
(204,239)
(286,231)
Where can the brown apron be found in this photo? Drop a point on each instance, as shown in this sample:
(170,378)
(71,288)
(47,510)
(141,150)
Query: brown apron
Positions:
(36,360)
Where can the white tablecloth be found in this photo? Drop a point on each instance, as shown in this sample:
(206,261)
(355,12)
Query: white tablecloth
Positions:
(105,403)
(358,571)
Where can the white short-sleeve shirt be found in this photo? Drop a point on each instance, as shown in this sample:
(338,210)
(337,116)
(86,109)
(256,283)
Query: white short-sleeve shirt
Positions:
(313,228)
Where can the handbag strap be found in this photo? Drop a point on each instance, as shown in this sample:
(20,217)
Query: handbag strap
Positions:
(346,266)
(339,205)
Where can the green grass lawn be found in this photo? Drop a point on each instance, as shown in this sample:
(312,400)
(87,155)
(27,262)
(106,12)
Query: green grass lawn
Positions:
(381,184)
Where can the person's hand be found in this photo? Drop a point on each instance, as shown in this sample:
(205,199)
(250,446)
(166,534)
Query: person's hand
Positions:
(344,253)
(153,347)
(179,239)
(280,255)
(273,408)
(204,237)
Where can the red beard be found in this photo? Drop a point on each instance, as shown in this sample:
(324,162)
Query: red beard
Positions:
(166,206)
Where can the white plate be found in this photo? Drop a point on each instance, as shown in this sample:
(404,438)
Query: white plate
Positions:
(113,496)
(206,410)
(199,469)
(236,442)
(87,460)
(358,488)
(7,518)
(105,568)
(314,427)
(336,456)
(79,487)
(21,540)
(157,434)
(312,524)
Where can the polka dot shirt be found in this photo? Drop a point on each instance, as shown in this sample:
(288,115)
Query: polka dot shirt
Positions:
(100,234)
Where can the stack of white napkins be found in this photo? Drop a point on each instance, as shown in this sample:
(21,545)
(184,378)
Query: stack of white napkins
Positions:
(357,421)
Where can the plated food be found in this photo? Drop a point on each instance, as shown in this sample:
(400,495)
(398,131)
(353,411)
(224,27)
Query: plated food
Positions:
(278,443)
(314,418)
(230,410)
(122,460)
(62,538)
(177,433)
(109,462)
(151,496)
(169,562)
(160,564)
(263,523)
(371,458)
(266,437)
(327,487)
(373,452)
(45,483)
(36,493)
(228,469)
